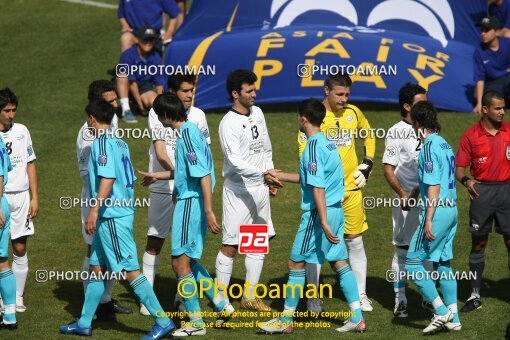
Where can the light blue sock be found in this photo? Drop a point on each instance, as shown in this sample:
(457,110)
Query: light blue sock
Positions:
(350,289)
(293,291)
(425,284)
(189,290)
(201,274)
(8,292)
(448,288)
(145,293)
(95,290)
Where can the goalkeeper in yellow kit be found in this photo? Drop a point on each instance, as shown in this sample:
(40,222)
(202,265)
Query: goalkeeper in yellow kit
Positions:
(342,123)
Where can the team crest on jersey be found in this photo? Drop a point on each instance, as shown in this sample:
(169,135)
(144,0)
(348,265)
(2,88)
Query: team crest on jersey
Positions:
(312,167)
(102,159)
(192,157)
(350,118)
(391,151)
(302,137)
(429,166)
(482,160)
(30,150)
(508,153)
(19,137)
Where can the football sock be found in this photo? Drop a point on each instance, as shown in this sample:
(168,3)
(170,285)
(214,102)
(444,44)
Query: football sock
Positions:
(476,266)
(124,103)
(293,290)
(202,275)
(224,265)
(253,264)
(20,270)
(108,289)
(350,289)
(8,293)
(448,287)
(358,262)
(190,296)
(425,285)
(85,269)
(95,290)
(313,273)
(398,267)
(150,265)
(145,293)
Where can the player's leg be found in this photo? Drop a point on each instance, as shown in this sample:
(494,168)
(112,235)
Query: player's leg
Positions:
(399,259)
(256,200)
(476,266)
(20,270)
(147,99)
(122,85)
(355,226)
(7,278)
(127,40)
(313,272)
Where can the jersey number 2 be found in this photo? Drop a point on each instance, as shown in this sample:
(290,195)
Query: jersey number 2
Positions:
(128,171)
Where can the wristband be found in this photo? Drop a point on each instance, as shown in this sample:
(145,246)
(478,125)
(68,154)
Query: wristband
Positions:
(464,180)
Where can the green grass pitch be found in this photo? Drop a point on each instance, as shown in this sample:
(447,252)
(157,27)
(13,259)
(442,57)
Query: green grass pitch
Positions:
(51,50)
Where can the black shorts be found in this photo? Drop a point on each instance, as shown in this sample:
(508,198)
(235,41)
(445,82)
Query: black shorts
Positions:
(492,205)
(145,86)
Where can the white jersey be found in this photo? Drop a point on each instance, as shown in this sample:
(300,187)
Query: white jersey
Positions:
(402,149)
(19,147)
(83,144)
(159,132)
(246,148)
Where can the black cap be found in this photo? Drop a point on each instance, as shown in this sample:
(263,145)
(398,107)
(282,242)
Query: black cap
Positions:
(146,32)
(489,23)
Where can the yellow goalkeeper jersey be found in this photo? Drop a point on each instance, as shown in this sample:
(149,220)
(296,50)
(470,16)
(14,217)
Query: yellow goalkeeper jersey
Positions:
(341,128)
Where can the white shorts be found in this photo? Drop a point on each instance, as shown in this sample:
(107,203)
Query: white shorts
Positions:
(245,206)
(161,212)
(21,222)
(405,224)
(85,209)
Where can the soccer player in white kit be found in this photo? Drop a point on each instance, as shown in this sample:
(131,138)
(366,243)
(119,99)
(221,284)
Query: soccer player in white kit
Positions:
(162,158)
(247,155)
(24,205)
(98,89)
(400,161)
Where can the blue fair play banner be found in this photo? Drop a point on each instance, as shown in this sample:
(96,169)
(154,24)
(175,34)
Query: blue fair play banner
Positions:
(292,45)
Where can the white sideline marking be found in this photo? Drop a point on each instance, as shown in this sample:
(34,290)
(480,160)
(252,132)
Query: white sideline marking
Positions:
(92,3)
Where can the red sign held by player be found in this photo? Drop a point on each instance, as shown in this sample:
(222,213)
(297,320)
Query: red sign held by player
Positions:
(253,239)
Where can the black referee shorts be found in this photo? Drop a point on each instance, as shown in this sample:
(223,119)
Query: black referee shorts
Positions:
(492,205)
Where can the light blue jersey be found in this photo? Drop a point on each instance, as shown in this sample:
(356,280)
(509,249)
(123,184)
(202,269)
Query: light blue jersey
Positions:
(109,158)
(5,161)
(436,166)
(321,167)
(5,232)
(193,160)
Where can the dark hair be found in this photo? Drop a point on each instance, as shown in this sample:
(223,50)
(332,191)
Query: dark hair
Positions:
(313,110)
(98,87)
(101,110)
(338,80)
(237,78)
(175,81)
(425,114)
(406,95)
(7,97)
(489,96)
(168,105)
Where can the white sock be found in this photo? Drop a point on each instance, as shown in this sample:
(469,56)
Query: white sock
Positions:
(20,270)
(108,289)
(358,262)
(85,269)
(150,266)
(254,264)
(398,266)
(224,265)
(313,272)
(124,103)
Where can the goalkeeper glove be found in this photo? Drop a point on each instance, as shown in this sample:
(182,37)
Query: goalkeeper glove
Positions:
(364,170)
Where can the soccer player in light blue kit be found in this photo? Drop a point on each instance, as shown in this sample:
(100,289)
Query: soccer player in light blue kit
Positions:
(433,240)
(193,184)
(112,180)
(320,234)
(7,279)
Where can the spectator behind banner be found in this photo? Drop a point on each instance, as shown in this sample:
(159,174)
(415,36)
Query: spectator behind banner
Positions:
(491,62)
(143,86)
(136,13)
(500,9)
